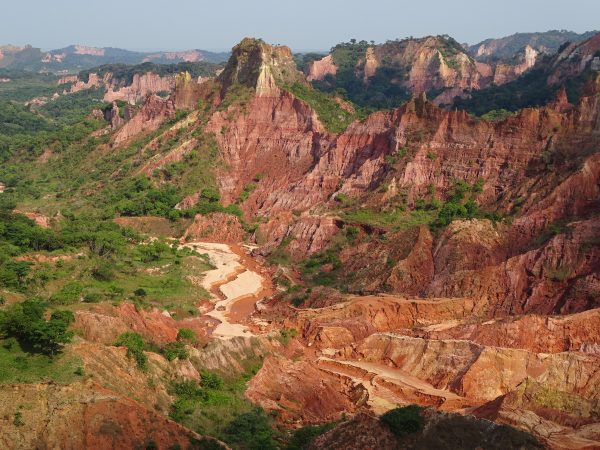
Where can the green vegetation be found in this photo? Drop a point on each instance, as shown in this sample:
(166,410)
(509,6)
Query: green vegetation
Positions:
(529,90)
(396,219)
(333,115)
(250,431)
(111,265)
(302,437)
(26,323)
(497,115)
(460,203)
(405,420)
(19,364)
(217,407)
(135,347)
(303,60)
(24,86)
(248,188)
(237,94)
(551,230)
(287,334)
(383,90)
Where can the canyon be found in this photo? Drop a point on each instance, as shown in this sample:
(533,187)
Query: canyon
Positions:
(370,261)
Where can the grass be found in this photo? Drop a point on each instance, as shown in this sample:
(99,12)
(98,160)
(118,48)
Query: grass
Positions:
(335,118)
(18,366)
(394,219)
(164,282)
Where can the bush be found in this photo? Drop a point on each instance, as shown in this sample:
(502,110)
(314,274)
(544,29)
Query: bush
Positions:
(175,350)
(135,347)
(302,437)
(211,380)
(185,334)
(68,294)
(103,272)
(250,431)
(403,421)
(153,251)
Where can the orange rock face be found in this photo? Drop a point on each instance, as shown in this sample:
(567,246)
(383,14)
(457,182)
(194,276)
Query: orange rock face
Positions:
(321,68)
(217,227)
(83,415)
(153,113)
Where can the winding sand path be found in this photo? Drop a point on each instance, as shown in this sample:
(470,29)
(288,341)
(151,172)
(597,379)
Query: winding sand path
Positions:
(230,282)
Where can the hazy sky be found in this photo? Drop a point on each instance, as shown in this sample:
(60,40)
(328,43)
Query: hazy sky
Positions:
(303,25)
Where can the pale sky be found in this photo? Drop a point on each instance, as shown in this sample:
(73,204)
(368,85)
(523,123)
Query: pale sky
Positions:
(301,24)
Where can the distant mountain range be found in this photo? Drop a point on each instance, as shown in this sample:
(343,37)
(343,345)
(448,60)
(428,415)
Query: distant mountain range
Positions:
(504,49)
(74,58)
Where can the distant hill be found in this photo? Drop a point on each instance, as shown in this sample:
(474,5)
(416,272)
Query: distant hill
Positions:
(505,48)
(574,67)
(75,58)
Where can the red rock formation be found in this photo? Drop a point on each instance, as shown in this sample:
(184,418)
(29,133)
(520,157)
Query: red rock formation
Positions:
(104,325)
(187,92)
(140,87)
(542,334)
(153,114)
(216,227)
(299,391)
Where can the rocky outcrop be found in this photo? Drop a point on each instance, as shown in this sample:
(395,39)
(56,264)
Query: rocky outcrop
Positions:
(319,69)
(503,73)
(299,391)
(302,166)
(470,370)
(259,66)
(576,332)
(152,115)
(137,90)
(105,324)
(187,92)
(216,227)
(560,419)
(188,56)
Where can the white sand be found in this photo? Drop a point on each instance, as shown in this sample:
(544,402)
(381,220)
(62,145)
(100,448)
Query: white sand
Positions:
(236,282)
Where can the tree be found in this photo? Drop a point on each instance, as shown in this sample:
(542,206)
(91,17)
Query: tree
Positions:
(251,430)
(25,322)
(403,421)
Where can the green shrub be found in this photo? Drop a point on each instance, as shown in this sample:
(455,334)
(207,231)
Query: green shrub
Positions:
(405,420)
(68,294)
(302,437)
(211,380)
(186,334)
(287,334)
(135,347)
(175,350)
(251,431)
